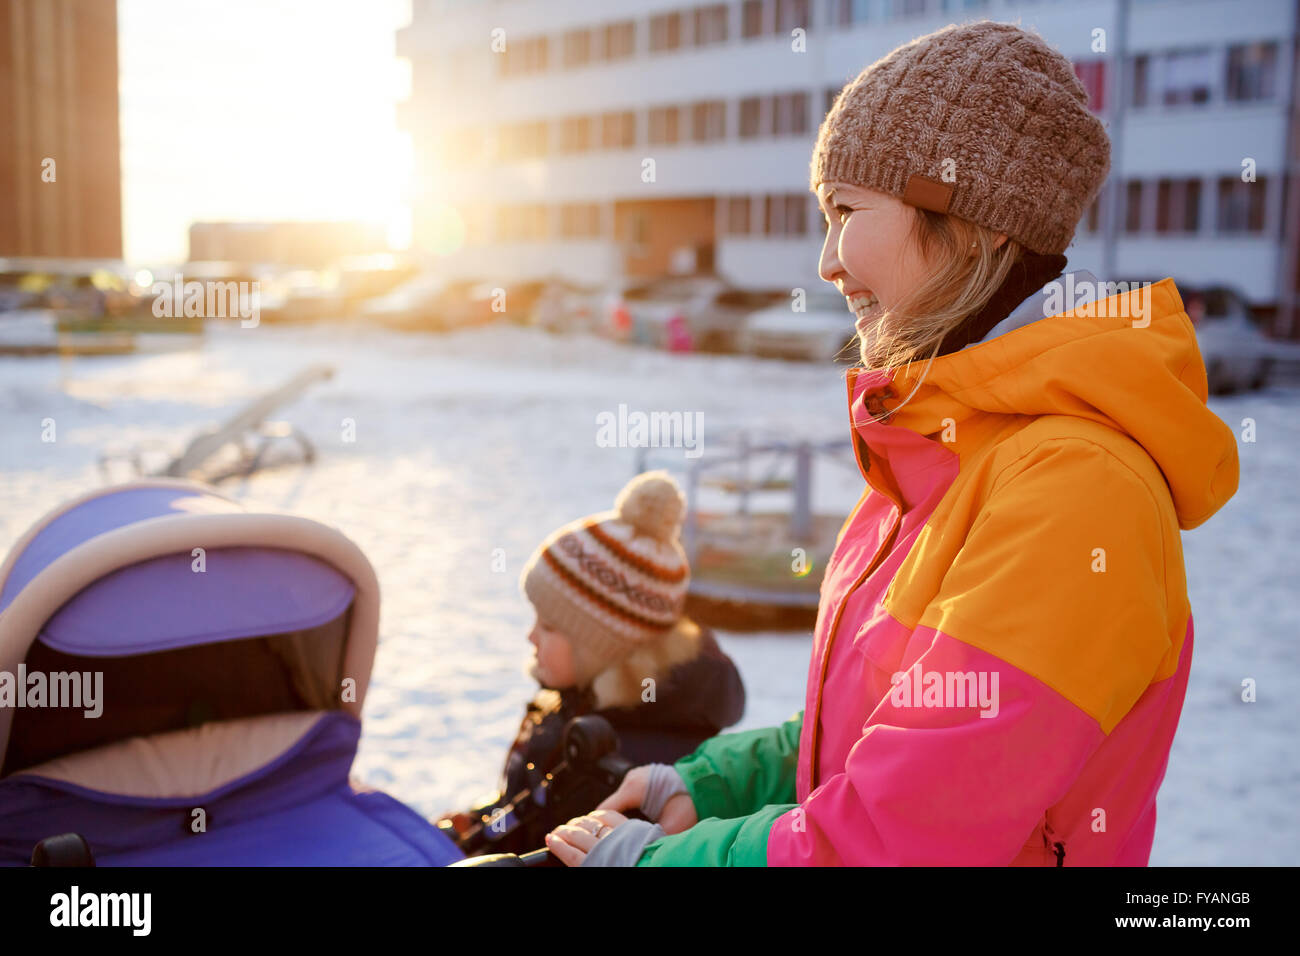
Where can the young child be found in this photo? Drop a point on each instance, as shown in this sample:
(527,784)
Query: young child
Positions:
(610,638)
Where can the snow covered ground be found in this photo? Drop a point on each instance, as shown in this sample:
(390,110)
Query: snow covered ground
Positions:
(487,439)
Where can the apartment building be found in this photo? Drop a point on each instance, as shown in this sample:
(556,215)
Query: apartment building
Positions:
(60,169)
(636,138)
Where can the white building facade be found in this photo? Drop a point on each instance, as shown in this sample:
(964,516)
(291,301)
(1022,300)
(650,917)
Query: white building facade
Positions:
(630,138)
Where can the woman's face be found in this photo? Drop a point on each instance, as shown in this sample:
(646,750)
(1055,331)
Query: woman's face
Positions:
(868,254)
(552,662)
(869,251)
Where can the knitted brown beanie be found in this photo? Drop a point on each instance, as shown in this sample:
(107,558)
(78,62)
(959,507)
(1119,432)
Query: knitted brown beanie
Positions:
(981,120)
(616,581)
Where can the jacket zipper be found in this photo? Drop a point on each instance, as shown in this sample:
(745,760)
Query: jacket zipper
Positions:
(835,625)
(863,455)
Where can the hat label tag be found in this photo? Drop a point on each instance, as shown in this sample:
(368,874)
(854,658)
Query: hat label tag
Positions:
(927,193)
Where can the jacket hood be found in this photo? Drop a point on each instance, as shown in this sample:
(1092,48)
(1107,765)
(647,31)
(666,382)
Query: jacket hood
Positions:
(1129,361)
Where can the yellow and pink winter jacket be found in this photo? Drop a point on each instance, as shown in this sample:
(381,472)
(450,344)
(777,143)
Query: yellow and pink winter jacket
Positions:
(1004,636)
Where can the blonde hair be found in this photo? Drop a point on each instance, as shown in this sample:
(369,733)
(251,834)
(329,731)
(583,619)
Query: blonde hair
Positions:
(619,684)
(957,288)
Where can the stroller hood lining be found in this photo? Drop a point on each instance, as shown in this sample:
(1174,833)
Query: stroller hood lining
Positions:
(141,694)
(182,763)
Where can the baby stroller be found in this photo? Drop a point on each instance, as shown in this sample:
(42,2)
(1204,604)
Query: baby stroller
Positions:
(233,651)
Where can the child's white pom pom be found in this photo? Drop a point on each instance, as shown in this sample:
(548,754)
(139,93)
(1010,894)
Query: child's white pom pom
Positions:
(652,503)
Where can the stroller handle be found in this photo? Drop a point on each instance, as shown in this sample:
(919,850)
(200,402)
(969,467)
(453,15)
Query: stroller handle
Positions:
(590,742)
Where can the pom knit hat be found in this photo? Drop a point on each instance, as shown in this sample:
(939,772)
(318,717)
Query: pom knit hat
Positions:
(614,582)
(983,121)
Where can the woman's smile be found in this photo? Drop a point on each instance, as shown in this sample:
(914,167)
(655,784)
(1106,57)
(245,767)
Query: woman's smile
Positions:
(866,306)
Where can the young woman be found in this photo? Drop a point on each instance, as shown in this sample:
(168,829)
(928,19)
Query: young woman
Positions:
(1004,636)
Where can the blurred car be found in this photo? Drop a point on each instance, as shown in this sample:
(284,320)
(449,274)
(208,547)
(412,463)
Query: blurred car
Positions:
(1238,355)
(821,333)
(701,312)
(416,303)
(361,278)
(566,307)
(22,284)
(230,289)
(90,292)
(301,295)
(477,302)
(614,320)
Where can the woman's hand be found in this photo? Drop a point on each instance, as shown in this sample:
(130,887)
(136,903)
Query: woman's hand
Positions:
(572,841)
(678,813)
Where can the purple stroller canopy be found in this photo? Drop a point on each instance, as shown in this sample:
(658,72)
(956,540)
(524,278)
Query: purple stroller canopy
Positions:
(167,602)
(221,673)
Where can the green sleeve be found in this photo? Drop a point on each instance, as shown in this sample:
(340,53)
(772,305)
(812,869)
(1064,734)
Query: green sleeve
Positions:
(738,842)
(733,775)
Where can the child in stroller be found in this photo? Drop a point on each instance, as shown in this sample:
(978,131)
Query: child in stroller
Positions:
(610,639)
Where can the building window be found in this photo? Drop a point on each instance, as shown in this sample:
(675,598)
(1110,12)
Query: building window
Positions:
(831,93)
(538,222)
(467,145)
(663,125)
(1187,77)
(580,220)
(790,114)
(577,48)
(751,112)
(709,121)
(1173,78)
(736,221)
(785,214)
(665,31)
(478,223)
(516,141)
(575,134)
(508,143)
(848,12)
(620,40)
(521,222)
(1178,205)
(618,130)
(1140,79)
(1252,72)
(528,55)
(1092,219)
(1241,205)
(751,18)
(1092,74)
(711,24)
(792,15)
(1133,206)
